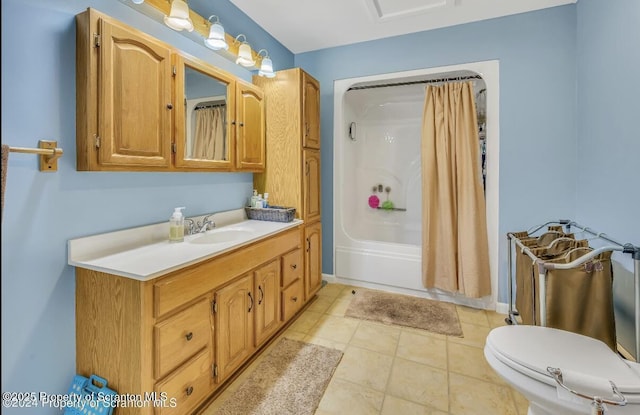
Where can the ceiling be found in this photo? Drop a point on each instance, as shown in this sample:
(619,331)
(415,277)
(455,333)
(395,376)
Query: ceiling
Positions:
(305,25)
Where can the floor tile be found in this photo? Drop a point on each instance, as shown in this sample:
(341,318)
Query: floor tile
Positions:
(343,397)
(472,316)
(377,337)
(334,328)
(496,319)
(522,404)
(395,370)
(419,383)
(397,406)
(306,321)
(423,349)
(332,344)
(469,396)
(321,304)
(470,361)
(331,290)
(338,307)
(473,335)
(364,367)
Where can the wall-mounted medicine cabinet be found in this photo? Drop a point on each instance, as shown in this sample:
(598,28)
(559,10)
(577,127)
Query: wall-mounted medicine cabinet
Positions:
(144,106)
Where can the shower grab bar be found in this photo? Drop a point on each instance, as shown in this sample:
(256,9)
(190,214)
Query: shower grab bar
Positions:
(396,209)
(543,267)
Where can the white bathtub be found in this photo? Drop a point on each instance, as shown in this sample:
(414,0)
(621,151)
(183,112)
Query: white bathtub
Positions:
(377,142)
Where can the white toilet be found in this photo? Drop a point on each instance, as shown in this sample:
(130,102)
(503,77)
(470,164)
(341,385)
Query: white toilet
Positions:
(521,355)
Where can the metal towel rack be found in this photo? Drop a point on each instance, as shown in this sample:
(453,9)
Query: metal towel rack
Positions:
(48,151)
(544,266)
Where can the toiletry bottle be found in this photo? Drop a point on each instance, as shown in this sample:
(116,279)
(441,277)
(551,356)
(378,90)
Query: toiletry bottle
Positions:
(265,200)
(260,202)
(176,226)
(254,198)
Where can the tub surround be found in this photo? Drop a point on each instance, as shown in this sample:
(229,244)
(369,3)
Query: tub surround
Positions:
(379,248)
(144,253)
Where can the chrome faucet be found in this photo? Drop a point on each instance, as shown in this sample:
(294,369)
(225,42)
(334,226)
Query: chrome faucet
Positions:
(207,224)
(190,226)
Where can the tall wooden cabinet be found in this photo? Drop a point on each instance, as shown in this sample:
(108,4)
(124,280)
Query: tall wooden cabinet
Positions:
(292,173)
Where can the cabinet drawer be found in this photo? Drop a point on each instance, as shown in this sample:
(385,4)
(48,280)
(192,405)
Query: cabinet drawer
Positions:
(292,299)
(292,267)
(181,336)
(189,386)
(186,285)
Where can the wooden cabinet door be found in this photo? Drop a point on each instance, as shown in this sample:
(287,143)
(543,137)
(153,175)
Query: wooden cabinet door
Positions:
(203,123)
(267,289)
(234,325)
(310,112)
(250,128)
(313,259)
(311,186)
(135,108)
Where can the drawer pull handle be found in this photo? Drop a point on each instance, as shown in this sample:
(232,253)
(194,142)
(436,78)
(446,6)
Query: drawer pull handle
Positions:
(250,305)
(189,336)
(189,390)
(261,295)
(294,266)
(294,299)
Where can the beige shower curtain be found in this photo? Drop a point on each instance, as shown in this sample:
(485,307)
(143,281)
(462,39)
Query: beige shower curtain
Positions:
(455,251)
(209,134)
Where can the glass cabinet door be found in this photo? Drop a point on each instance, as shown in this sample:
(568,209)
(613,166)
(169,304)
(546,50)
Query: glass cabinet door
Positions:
(204,116)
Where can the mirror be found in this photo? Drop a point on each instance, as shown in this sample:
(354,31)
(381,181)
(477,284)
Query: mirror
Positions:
(206,113)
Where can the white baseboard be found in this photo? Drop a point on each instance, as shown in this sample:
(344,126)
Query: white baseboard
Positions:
(502,308)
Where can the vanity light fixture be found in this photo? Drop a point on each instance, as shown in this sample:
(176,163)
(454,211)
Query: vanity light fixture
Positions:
(266,69)
(178,18)
(245,57)
(216,39)
(137,1)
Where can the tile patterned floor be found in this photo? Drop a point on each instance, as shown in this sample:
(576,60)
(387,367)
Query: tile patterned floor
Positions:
(393,370)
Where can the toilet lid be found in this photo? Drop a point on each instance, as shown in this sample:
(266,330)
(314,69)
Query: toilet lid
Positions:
(537,348)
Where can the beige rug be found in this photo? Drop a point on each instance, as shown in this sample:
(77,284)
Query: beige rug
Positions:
(291,380)
(405,310)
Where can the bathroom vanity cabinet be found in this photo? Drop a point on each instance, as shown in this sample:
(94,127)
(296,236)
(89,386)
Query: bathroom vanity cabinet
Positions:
(133,94)
(187,332)
(292,175)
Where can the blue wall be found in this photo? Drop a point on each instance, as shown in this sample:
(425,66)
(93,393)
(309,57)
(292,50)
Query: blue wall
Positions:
(608,192)
(537,106)
(44,210)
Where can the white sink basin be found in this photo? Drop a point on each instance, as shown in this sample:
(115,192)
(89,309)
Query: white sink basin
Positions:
(221,236)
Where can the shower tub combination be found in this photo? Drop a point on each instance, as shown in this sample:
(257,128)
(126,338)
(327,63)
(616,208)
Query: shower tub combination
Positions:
(378,181)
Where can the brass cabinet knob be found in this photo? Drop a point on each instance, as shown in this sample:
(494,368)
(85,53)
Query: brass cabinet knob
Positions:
(189,336)
(294,266)
(189,390)
(294,299)
(169,106)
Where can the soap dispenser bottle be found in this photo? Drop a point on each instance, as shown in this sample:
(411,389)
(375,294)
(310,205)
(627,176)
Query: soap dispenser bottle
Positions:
(254,198)
(176,226)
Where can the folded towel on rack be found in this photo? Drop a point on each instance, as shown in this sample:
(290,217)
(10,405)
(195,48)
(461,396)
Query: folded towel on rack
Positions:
(585,384)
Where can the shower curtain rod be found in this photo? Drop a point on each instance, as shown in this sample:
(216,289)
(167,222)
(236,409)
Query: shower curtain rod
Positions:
(428,81)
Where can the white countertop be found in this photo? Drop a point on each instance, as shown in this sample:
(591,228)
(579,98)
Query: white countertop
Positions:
(145,253)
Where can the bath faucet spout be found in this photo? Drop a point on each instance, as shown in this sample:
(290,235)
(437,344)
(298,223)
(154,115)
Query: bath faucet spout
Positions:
(207,224)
